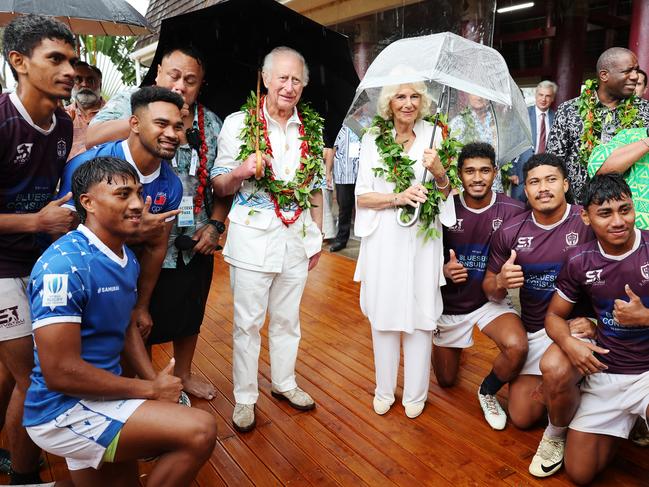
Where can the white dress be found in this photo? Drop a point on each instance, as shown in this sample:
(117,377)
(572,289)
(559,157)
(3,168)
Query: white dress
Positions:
(400,274)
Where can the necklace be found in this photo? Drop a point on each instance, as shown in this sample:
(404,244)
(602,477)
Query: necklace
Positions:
(298,191)
(591,113)
(398,168)
(201,171)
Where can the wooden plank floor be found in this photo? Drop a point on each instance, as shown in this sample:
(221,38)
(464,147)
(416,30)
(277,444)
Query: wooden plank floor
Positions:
(343,442)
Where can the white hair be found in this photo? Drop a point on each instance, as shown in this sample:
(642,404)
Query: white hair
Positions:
(548,84)
(388,92)
(267,68)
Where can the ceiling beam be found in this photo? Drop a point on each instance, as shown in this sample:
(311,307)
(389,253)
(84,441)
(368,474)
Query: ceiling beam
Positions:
(331,12)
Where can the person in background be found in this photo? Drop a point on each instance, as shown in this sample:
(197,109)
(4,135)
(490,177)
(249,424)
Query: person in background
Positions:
(541,118)
(86,103)
(641,85)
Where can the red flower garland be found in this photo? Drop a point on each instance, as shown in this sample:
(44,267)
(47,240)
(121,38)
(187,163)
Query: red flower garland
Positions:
(201,172)
(304,150)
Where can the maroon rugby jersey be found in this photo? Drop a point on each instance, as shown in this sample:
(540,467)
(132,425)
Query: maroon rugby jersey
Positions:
(470,238)
(541,251)
(591,273)
(31,163)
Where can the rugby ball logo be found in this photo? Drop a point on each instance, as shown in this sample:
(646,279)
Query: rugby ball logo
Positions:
(55,290)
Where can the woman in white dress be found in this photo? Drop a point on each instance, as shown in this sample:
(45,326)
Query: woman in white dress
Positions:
(401,272)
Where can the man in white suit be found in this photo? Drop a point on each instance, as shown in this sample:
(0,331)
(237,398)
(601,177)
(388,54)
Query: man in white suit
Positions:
(270,248)
(541,118)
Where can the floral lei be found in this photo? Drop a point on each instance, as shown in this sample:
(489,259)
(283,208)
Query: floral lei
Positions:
(201,172)
(591,116)
(398,168)
(285,194)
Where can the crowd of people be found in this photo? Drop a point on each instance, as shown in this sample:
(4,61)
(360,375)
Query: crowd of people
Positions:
(111,212)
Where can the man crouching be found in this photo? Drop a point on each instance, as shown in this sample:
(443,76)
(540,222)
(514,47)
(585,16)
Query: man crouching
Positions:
(82,291)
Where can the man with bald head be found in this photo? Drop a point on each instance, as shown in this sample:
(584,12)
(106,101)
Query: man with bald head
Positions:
(611,102)
(272,243)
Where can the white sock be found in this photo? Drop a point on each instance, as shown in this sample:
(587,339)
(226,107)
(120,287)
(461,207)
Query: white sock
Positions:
(553,431)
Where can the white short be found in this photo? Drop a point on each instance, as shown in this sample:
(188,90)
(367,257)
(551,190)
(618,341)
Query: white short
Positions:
(538,342)
(611,403)
(15,318)
(456,331)
(82,433)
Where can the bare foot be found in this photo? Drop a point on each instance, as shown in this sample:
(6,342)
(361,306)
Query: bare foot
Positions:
(196,386)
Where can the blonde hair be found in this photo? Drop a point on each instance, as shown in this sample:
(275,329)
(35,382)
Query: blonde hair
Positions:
(388,92)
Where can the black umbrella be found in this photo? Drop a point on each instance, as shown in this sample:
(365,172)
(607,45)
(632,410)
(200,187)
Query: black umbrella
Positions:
(235,35)
(98,17)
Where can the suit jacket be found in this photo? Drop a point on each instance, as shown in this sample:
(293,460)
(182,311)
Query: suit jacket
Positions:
(531,112)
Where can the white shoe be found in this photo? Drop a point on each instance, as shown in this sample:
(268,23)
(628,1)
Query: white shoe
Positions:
(380,406)
(297,398)
(413,410)
(243,417)
(549,457)
(493,412)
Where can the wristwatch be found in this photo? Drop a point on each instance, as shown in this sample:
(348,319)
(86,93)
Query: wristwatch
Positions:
(220,226)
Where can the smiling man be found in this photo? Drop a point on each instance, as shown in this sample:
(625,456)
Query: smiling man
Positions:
(272,243)
(605,103)
(35,139)
(480,212)
(155,129)
(613,274)
(81,293)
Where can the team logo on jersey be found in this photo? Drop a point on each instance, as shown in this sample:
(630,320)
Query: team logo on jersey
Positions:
(23,152)
(594,277)
(9,317)
(55,290)
(61,148)
(572,238)
(160,199)
(496,222)
(458,226)
(524,242)
(644,270)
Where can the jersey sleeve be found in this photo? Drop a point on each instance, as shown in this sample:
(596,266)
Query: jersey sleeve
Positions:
(57,293)
(499,251)
(567,285)
(66,179)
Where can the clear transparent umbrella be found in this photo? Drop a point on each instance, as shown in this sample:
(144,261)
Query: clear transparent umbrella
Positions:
(467,68)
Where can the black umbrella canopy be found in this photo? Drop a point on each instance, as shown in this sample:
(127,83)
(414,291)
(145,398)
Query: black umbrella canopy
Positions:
(98,17)
(235,35)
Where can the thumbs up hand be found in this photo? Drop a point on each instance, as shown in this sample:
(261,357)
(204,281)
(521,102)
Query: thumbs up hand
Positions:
(511,275)
(166,386)
(53,219)
(454,270)
(631,312)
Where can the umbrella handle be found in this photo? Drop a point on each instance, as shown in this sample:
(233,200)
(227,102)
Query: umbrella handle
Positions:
(415,216)
(259,168)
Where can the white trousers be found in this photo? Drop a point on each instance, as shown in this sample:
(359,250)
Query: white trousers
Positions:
(254,293)
(416,364)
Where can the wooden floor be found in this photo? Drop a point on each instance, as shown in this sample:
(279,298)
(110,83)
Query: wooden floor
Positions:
(343,442)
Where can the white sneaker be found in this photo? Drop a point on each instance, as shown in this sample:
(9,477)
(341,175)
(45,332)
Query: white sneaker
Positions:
(415,409)
(493,412)
(380,406)
(243,417)
(297,398)
(549,457)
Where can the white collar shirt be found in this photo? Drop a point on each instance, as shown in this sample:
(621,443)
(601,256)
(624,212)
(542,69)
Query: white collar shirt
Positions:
(285,143)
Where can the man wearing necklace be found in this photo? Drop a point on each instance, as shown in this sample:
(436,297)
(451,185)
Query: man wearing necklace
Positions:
(609,105)
(179,298)
(274,237)
(35,139)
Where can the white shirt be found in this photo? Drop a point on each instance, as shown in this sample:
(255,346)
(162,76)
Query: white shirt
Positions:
(538,125)
(257,238)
